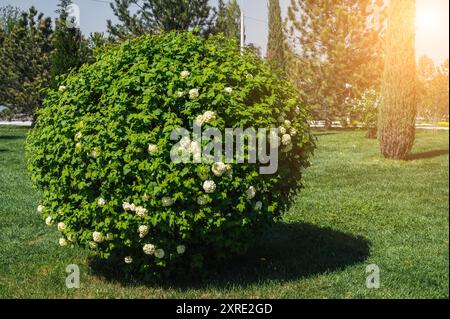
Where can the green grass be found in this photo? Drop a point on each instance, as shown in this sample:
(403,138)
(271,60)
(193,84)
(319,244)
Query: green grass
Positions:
(357,209)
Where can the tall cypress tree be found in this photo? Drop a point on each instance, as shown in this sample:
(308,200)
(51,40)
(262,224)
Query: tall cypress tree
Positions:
(336,53)
(70,48)
(276,42)
(138,17)
(398,110)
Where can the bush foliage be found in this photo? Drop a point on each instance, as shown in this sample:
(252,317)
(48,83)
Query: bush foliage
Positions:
(100,153)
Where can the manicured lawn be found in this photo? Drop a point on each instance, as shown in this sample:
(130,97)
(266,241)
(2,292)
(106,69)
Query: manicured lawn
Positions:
(357,209)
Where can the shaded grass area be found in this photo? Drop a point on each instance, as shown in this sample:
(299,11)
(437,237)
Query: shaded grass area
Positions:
(357,209)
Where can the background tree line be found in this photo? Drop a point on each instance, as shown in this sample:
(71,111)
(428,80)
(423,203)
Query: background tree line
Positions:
(433,90)
(335,53)
(36,51)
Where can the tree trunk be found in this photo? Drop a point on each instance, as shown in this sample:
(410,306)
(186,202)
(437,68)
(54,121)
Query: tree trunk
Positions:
(398,109)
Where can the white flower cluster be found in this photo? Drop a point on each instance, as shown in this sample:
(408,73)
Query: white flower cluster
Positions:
(167,201)
(78,136)
(228,90)
(62,242)
(49,221)
(186,147)
(196,149)
(181,249)
(286,139)
(139,210)
(127,206)
(206,117)
(184,74)
(128,259)
(293,132)
(101,202)
(143,231)
(220,168)
(159,253)
(61,226)
(97,237)
(152,149)
(251,192)
(40,209)
(209,116)
(202,200)
(185,143)
(62,88)
(258,205)
(95,153)
(149,249)
(193,94)
(209,186)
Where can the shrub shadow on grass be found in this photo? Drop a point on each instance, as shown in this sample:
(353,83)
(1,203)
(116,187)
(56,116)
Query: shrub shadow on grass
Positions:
(287,252)
(11,137)
(426,155)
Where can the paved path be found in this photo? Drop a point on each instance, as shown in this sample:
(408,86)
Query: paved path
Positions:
(435,128)
(18,123)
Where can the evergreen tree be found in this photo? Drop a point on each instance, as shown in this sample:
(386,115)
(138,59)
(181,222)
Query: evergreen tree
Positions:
(336,52)
(98,43)
(70,48)
(399,97)
(9,17)
(255,49)
(276,42)
(228,20)
(138,17)
(25,63)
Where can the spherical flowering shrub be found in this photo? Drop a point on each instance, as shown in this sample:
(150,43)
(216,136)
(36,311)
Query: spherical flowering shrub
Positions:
(100,152)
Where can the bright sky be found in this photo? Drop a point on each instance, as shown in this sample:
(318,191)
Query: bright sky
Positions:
(432,21)
(432,29)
